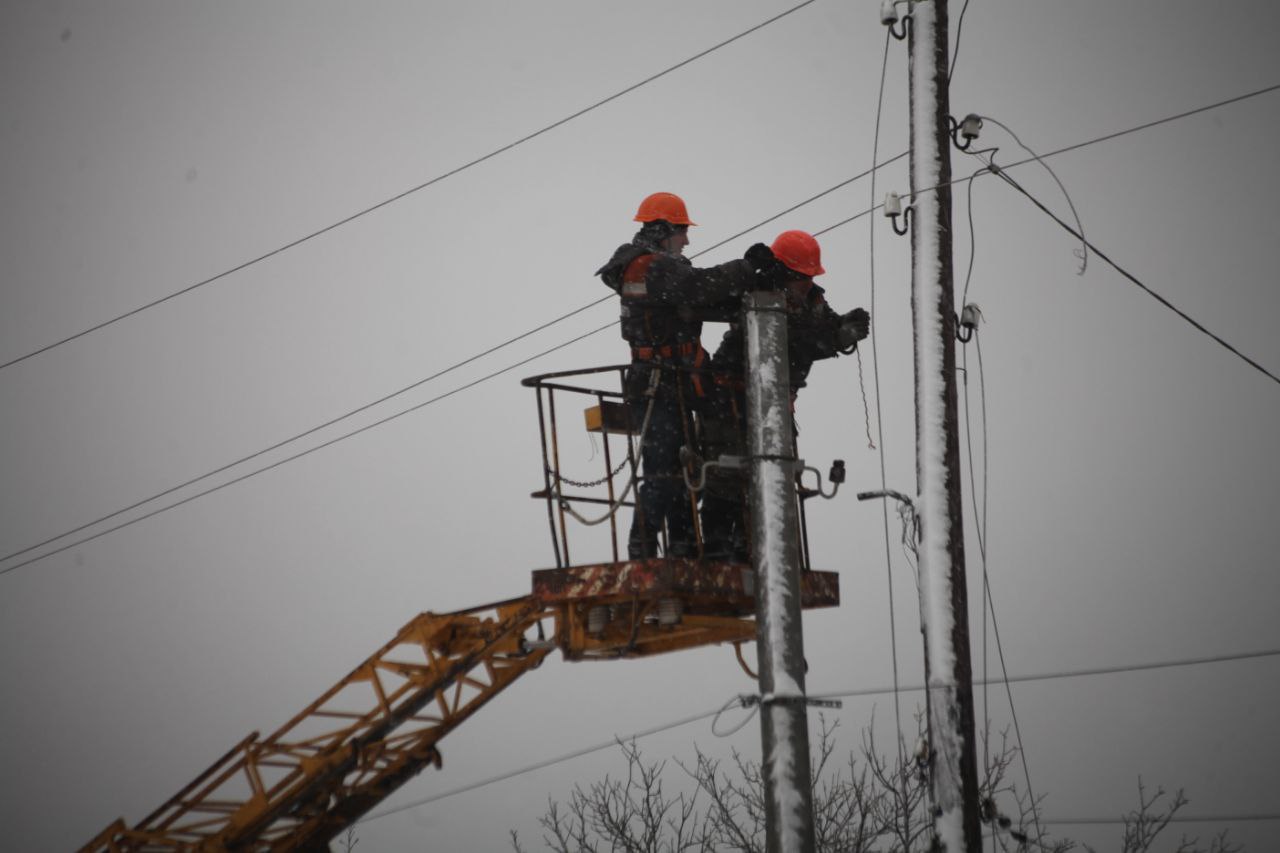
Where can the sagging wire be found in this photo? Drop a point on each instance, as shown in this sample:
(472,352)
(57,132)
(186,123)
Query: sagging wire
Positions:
(875,364)
(971,318)
(973,242)
(1075,146)
(955,53)
(990,603)
(910,526)
(980,517)
(866,409)
(910,539)
(1083,252)
(1002,173)
(741,702)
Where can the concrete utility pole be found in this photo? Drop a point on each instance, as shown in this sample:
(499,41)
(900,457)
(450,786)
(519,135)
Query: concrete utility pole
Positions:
(775,557)
(944,609)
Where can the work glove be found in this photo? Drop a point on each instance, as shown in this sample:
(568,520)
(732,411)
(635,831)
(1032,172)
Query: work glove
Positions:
(770,272)
(854,326)
(759,257)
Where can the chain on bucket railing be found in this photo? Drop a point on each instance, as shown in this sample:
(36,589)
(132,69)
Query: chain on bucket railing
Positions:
(612,416)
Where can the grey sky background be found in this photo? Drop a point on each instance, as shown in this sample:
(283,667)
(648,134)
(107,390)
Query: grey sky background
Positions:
(1132,461)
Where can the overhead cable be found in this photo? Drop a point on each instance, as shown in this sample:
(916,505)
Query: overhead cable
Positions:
(1083,253)
(306,452)
(578,753)
(955,53)
(1073,673)
(1073,147)
(550,762)
(875,365)
(362,408)
(999,171)
(437,179)
(839,224)
(989,603)
(1263,91)
(1222,818)
(895,158)
(980,517)
(305,433)
(1107,137)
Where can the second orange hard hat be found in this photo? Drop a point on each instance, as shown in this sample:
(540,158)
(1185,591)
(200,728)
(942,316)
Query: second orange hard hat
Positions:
(799,251)
(666,206)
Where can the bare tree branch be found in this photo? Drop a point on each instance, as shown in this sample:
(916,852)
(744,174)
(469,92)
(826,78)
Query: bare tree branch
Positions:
(871,802)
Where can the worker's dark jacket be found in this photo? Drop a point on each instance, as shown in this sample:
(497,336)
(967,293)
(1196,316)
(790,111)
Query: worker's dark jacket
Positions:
(813,332)
(665,300)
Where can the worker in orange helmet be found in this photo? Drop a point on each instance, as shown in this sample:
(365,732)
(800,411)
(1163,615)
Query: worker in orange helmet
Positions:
(814,332)
(665,300)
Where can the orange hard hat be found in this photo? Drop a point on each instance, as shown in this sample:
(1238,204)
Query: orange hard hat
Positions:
(665,206)
(799,251)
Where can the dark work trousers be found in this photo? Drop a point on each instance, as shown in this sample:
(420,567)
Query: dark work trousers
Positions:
(663,496)
(724,500)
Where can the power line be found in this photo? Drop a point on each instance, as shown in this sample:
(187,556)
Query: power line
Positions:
(842,222)
(1159,121)
(999,172)
(401,391)
(955,54)
(801,204)
(1105,138)
(1224,818)
(980,526)
(875,364)
(578,753)
(437,179)
(303,434)
(1073,147)
(1073,673)
(1084,253)
(308,451)
(990,603)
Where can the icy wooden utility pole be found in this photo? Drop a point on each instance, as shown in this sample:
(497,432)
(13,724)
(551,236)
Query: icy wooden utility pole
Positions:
(775,557)
(943,599)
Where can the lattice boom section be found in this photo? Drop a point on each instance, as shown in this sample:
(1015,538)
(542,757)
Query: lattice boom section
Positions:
(369,734)
(379,726)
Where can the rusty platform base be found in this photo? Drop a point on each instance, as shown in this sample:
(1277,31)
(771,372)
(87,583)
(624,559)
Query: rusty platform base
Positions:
(644,607)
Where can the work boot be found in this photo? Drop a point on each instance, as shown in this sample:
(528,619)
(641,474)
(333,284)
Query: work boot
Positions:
(683,549)
(642,549)
(718,550)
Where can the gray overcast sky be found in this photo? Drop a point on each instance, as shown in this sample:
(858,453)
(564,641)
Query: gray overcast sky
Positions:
(148,146)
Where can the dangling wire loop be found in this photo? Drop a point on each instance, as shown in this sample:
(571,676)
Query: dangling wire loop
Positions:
(900,33)
(906,222)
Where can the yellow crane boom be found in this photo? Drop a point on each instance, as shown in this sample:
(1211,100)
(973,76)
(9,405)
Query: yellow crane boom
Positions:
(381,725)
